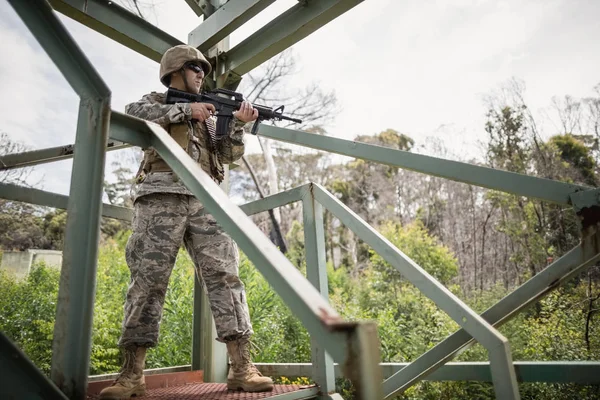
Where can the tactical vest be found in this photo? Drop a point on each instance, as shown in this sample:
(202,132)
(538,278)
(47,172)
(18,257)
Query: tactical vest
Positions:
(188,135)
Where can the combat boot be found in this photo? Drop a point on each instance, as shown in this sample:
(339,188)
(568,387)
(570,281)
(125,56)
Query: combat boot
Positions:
(130,381)
(242,373)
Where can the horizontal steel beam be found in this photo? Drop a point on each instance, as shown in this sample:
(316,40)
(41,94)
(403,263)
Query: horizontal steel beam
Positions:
(350,343)
(48,155)
(128,129)
(147,372)
(578,372)
(55,200)
(510,182)
(275,200)
(224,21)
(566,267)
(284,31)
(119,24)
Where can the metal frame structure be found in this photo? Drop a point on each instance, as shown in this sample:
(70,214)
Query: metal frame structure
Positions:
(353,345)
(579,372)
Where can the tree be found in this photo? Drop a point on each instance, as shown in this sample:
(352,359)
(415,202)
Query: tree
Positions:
(269,86)
(118,192)
(20,223)
(16,176)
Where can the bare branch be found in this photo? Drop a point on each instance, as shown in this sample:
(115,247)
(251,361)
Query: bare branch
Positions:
(18,175)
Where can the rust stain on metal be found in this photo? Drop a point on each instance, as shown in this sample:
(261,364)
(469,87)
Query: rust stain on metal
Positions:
(351,366)
(67,150)
(335,322)
(328,319)
(589,216)
(589,242)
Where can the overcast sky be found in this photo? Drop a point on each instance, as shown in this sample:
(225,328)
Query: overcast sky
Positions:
(420,67)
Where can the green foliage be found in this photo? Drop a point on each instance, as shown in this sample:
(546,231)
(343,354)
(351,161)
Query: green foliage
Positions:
(414,241)
(278,334)
(54,224)
(408,323)
(20,227)
(27,312)
(576,155)
(507,130)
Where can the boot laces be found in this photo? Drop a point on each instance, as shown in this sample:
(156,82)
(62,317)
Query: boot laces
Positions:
(127,370)
(246,364)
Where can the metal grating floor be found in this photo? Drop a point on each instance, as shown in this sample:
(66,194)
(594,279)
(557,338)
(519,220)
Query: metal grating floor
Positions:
(213,391)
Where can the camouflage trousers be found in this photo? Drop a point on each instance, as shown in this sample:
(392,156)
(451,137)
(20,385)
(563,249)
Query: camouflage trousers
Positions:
(161,223)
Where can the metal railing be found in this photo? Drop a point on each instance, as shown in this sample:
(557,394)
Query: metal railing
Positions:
(314,197)
(400,377)
(352,344)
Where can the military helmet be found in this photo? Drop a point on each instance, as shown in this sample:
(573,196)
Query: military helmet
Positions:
(174,59)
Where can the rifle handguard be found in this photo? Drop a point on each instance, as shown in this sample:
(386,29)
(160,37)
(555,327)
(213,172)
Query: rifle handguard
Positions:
(225,102)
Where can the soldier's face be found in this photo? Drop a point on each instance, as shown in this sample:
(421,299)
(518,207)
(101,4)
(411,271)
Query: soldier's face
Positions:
(194,75)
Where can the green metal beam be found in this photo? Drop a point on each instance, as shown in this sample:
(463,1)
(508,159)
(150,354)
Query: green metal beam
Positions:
(505,382)
(48,199)
(350,343)
(224,21)
(48,155)
(147,372)
(132,130)
(275,200)
(198,350)
(510,182)
(305,393)
(73,326)
(316,272)
(119,24)
(578,372)
(569,265)
(284,31)
(21,379)
(75,305)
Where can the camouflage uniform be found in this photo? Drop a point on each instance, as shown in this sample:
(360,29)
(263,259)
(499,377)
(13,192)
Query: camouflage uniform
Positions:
(166,214)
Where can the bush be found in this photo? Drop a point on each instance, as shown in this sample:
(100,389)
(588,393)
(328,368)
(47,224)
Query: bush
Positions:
(408,323)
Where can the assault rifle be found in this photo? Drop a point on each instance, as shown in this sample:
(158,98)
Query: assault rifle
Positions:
(226,102)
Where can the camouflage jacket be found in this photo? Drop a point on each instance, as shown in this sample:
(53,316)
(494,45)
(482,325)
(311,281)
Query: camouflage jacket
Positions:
(211,153)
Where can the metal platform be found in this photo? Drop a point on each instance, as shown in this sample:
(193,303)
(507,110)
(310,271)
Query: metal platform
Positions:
(185,386)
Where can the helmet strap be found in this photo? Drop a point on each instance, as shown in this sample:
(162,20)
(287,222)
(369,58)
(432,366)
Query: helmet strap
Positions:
(185,81)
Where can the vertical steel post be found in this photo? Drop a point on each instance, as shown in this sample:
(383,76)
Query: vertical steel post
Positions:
(316,272)
(74,311)
(75,308)
(208,355)
(198,352)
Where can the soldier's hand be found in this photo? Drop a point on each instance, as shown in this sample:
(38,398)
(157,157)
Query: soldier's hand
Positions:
(246,113)
(202,111)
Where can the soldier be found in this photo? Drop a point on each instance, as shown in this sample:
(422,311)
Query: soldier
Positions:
(167,214)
